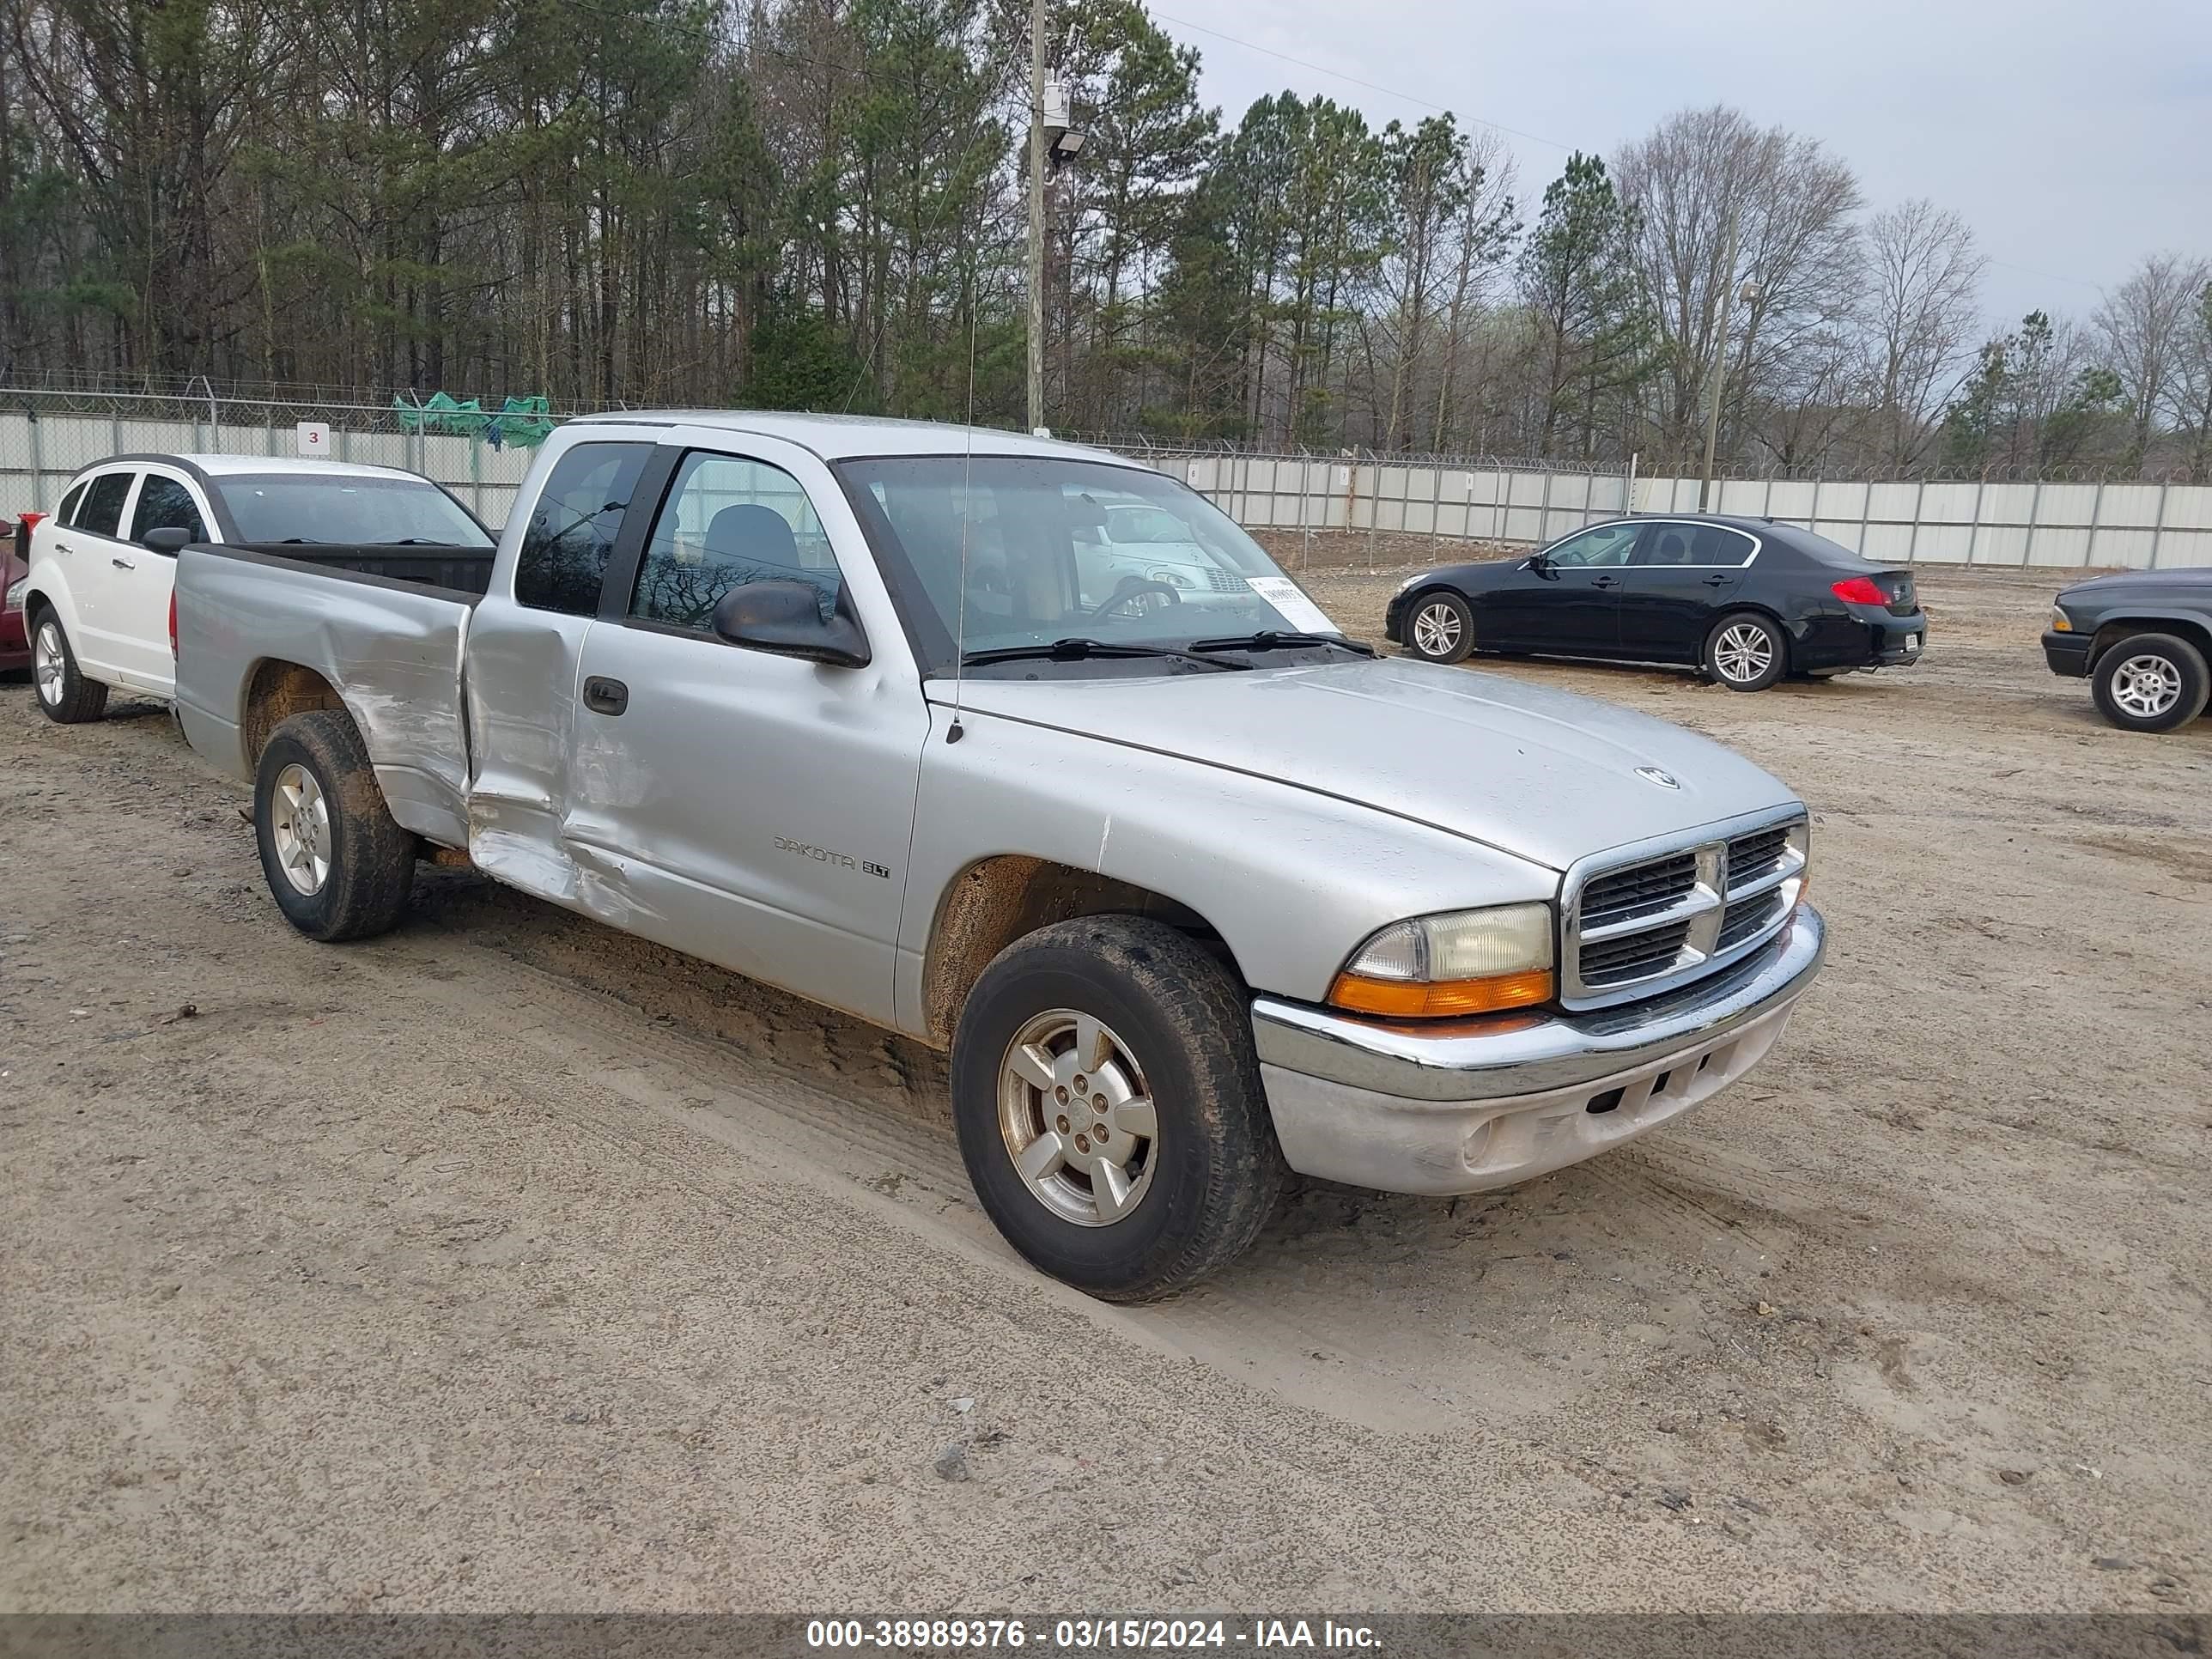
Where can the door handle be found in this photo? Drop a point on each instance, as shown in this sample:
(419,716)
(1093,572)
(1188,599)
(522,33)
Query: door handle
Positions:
(606,696)
(64,547)
(1719,581)
(122,564)
(1606,581)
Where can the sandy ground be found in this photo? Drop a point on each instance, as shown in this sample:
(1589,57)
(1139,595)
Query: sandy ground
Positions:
(507,1263)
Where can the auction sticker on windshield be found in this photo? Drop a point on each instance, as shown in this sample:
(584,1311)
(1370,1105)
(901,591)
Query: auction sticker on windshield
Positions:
(1301,613)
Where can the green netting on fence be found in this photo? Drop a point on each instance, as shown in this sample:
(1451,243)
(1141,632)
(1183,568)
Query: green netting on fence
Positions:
(524,421)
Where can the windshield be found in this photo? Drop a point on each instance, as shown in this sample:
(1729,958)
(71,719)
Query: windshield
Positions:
(1058,550)
(334,507)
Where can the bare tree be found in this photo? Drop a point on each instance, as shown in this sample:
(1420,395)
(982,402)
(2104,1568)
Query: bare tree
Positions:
(1483,236)
(2192,392)
(1920,315)
(1792,204)
(2139,332)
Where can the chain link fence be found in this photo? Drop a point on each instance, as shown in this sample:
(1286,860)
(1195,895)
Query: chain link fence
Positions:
(1996,518)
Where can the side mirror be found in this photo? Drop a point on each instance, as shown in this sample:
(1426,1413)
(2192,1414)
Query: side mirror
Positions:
(1539,564)
(786,617)
(167,540)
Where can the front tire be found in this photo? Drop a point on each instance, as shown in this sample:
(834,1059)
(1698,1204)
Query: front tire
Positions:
(1440,627)
(1746,652)
(65,696)
(336,865)
(1109,1110)
(2150,683)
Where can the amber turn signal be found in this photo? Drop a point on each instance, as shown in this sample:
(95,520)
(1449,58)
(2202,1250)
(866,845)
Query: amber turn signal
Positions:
(1399,999)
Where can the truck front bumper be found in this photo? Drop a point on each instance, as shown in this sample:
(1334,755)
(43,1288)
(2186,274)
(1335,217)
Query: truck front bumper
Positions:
(2068,653)
(1465,1106)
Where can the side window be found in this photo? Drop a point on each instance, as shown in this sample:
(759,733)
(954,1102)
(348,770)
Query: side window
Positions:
(728,521)
(572,529)
(1605,544)
(66,515)
(102,511)
(165,504)
(1694,544)
(1712,544)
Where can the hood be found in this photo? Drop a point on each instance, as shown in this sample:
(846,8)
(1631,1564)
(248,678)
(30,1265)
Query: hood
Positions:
(1540,774)
(2190,577)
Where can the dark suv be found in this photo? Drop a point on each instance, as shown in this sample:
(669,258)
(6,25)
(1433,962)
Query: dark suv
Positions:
(2141,638)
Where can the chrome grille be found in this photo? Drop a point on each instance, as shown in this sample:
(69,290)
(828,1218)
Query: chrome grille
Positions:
(1639,889)
(1745,917)
(1623,960)
(1752,856)
(1645,921)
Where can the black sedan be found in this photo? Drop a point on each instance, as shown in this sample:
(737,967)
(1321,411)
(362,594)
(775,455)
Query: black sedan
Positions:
(1747,600)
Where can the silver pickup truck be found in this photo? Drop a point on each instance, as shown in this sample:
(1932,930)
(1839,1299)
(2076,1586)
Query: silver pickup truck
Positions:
(1196,890)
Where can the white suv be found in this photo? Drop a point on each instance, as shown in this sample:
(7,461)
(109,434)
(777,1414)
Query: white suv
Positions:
(103,566)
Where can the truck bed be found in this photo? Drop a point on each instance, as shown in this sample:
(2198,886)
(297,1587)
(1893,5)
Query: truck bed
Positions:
(389,643)
(427,564)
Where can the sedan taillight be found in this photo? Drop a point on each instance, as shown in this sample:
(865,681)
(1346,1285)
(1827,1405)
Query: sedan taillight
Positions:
(173,624)
(1859,590)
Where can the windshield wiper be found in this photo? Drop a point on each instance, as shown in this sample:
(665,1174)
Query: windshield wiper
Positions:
(1271,639)
(302,541)
(1075,650)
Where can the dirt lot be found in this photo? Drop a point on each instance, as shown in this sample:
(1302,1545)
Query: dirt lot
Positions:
(507,1263)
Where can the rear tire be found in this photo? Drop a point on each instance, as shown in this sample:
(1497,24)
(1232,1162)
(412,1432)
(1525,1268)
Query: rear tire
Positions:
(1440,626)
(1746,652)
(1069,1024)
(2150,683)
(65,696)
(336,865)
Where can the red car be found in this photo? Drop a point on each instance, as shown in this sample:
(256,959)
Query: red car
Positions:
(14,565)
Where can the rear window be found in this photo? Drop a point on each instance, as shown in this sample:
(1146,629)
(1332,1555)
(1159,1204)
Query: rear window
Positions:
(102,511)
(562,561)
(1143,524)
(337,508)
(1697,545)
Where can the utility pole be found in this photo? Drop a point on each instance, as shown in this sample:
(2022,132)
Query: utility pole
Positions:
(1720,364)
(1036,214)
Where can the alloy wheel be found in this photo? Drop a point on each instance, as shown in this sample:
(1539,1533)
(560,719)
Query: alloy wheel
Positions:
(1078,1119)
(301,824)
(48,663)
(1436,629)
(2147,687)
(1743,653)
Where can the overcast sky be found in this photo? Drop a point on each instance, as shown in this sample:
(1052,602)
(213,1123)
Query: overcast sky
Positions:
(2074,135)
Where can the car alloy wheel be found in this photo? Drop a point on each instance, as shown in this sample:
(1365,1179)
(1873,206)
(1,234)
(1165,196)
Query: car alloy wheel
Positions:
(2146,687)
(1078,1119)
(47,665)
(1436,629)
(1744,651)
(300,824)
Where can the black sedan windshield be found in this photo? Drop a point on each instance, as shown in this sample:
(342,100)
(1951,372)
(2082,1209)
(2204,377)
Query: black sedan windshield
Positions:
(995,553)
(341,508)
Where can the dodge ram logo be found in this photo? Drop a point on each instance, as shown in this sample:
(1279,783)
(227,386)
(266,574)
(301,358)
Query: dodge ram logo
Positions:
(1664,779)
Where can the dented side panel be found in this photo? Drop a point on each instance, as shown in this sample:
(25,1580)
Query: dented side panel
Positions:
(391,650)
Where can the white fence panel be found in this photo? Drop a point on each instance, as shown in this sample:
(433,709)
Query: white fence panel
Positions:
(2056,524)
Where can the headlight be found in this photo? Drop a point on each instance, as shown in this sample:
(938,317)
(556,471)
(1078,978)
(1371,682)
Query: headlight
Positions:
(16,590)
(1170,579)
(1464,962)
(2060,622)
